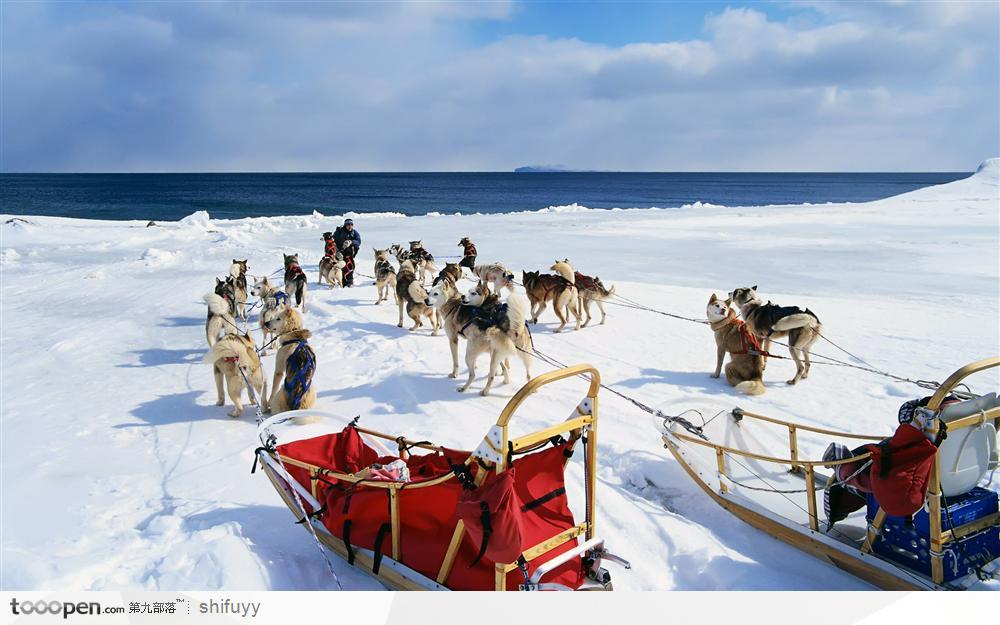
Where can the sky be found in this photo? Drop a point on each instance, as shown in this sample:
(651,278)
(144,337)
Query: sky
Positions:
(490,86)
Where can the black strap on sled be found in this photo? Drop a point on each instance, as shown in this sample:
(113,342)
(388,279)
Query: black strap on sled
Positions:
(347,542)
(256,456)
(544,499)
(312,515)
(484,517)
(377,560)
(464,475)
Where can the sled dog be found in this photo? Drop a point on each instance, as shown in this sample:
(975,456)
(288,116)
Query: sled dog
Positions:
(451,271)
(294,364)
(296,282)
(495,274)
(331,268)
(385,275)
(487,324)
(231,354)
(592,290)
(238,270)
(543,288)
(767,321)
(410,295)
(745,370)
(272,299)
(468,253)
(221,310)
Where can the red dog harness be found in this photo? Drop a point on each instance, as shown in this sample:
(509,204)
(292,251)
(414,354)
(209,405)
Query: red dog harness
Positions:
(331,248)
(293,272)
(470,250)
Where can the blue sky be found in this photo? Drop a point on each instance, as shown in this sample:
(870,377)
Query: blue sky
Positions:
(489,86)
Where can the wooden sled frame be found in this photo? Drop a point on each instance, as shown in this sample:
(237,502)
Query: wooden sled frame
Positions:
(861,563)
(400,577)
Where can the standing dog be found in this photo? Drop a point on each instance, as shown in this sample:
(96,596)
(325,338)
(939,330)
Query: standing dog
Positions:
(468,253)
(423,259)
(592,290)
(221,308)
(767,321)
(410,294)
(496,274)
(543,288)
(232,354)
(745,370)
(489,326)
(295,280)
(272,300)
(385,275)
(294,364)
(238,270)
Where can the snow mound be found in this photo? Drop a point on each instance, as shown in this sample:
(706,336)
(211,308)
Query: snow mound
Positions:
(199,220)
(700,204)
(989,168)
(568,208)
(153,257)
(9,255)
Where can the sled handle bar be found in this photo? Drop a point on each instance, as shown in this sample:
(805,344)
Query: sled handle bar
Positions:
(547,378)
(946,387)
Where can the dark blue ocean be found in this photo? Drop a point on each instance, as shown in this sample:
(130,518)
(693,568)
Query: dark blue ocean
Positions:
(173,196)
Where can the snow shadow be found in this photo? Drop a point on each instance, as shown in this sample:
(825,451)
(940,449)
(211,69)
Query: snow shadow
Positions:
(410,392)
(181,408)
(155,356)
(701,380)
(288,555)
(181,322)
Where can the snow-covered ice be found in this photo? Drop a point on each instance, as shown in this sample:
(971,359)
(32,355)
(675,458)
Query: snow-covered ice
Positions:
(119,472)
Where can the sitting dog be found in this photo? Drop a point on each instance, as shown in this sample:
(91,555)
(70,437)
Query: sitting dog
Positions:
(295,280)
(468,253)
(745,370)
(332,269)
(238,270)
(231,354)
(767,321)
(543,288)
(272,299)
(221,310)
(410,295)
(294,364)
(385,275)
(495,274)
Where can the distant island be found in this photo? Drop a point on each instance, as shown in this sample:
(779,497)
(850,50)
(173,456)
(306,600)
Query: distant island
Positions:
(549,169)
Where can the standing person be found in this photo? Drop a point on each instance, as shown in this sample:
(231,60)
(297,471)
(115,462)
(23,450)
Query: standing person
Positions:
(348,241)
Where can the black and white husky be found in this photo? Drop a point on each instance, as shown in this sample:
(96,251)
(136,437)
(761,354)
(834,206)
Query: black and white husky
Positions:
(296,282)
(272,301)
(221,311)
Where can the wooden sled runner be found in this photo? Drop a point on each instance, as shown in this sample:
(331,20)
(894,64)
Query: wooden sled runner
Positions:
(394,514)
(752,465)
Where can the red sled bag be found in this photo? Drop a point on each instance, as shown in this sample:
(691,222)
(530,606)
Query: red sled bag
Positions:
(492,517)
(901,470)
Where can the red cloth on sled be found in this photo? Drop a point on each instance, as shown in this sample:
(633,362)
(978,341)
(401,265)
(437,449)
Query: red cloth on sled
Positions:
(492,516)
(428,514)
(901,469)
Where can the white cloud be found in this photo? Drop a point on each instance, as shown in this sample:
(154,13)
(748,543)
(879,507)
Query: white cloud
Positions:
(205,86)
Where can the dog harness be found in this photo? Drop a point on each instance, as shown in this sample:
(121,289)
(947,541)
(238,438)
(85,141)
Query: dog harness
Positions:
(280,297)
(774,313)
(331,248)
(470,250)
(586,282)
(748,342)
(299,370)
(485,319)
(293,272)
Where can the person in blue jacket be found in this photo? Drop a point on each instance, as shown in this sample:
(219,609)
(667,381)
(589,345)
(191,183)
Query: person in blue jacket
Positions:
(349,243)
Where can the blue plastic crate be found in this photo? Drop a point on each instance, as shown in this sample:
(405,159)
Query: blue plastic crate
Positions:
(907,541)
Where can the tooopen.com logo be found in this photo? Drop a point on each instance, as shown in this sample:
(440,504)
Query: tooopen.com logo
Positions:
(65,608)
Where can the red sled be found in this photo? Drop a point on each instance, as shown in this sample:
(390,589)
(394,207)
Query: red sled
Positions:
(495,518)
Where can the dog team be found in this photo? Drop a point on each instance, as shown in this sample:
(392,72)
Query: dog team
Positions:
(487,321)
